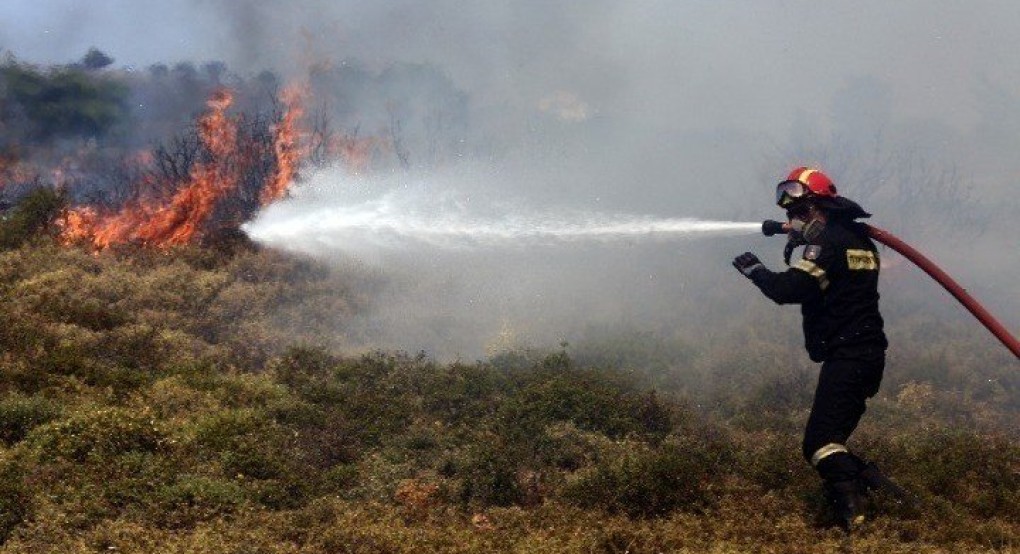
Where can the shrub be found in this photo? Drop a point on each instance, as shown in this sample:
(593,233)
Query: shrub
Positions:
(19,415)
(246,443)
(773,461)
(15,498)
(489,475)
(603,401)
(462,393)
(20,375)
(66,101)
(975,472)
(96,435)
(637,480)
(33,213)
(190,499)
(565,447)
(306,370)
(171,398)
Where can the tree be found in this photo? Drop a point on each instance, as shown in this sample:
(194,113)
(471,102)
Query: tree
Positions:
(95,59)
(64,102)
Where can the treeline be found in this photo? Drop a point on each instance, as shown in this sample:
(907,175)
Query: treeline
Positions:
(75,101)
(89,126)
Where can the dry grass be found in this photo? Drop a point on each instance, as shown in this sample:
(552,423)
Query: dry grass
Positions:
(154,402)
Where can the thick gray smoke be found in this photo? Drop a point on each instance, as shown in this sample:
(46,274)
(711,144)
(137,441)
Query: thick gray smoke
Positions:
(664,109)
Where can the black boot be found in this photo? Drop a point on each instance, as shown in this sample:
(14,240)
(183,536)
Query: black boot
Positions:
(847,500)
(872,479)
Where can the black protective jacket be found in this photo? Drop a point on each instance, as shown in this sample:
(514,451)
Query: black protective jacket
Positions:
(836,284)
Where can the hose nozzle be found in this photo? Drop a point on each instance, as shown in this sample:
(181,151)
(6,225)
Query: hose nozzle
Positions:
(770,227)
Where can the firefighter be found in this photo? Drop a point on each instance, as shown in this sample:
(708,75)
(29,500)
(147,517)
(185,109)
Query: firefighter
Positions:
(836,284)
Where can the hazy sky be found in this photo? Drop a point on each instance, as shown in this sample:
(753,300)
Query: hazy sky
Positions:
(738,64)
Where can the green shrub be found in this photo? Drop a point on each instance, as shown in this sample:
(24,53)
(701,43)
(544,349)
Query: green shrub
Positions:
(306,371)
(19,415)
(20,375)
(171,398)
(66,306)
(15,498)
(246,442)
(660,359)
(461,393)
(603,401)
(95,435)
(190,499)
(33,213)
(488,475)
(565,447)
(340,477)
(278,494)
(640,481)
(772,461)
(976,472)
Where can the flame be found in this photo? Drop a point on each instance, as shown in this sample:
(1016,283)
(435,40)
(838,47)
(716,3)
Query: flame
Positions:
(77,225)
(181,220)
(192,205)
(286,145)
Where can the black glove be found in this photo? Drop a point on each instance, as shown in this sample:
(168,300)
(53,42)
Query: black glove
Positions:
(747,263)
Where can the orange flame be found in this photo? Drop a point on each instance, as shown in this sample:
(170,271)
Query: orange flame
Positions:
(191,206)
(78,225)
(286,145)
(182,219)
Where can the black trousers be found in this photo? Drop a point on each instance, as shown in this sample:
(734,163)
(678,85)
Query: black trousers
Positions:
(846,381)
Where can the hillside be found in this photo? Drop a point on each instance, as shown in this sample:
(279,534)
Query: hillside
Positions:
(197,400)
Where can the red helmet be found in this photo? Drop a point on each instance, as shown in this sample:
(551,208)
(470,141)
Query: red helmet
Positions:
(801,183)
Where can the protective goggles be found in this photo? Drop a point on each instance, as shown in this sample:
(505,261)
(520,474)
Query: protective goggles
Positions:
(789,192)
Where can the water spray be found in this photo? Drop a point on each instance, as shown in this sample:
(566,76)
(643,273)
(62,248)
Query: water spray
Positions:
(409,219)
(770,228)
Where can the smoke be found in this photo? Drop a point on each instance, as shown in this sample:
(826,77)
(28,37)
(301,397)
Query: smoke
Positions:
(554,111)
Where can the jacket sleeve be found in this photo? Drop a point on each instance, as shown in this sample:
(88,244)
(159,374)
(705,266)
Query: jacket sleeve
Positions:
(792,286)
(807,278)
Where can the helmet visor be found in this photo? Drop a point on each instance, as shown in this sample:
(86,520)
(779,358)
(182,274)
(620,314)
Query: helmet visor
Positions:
(789,192)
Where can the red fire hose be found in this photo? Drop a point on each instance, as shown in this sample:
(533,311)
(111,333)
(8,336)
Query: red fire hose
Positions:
(954,288)
(770,228)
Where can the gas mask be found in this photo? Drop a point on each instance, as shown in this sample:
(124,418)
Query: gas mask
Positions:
(802,233)
(809,231)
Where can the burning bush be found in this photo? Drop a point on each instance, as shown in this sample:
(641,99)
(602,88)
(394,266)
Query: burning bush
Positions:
(234,163)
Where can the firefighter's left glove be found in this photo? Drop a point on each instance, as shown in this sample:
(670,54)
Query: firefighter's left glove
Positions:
(747,263)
